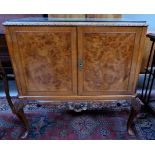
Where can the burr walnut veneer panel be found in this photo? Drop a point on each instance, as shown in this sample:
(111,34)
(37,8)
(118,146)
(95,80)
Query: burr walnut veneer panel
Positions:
(109,56)
(45,60)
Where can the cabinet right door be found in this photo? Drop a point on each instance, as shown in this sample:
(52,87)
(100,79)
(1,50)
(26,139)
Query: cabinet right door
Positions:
(109,60)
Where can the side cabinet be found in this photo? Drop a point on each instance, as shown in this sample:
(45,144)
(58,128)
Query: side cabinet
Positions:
(78,60)
(44,60)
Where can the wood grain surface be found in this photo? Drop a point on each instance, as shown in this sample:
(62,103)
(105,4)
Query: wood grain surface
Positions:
(109,58)
(44,58)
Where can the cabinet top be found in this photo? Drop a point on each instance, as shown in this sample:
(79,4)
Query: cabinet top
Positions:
(74,22)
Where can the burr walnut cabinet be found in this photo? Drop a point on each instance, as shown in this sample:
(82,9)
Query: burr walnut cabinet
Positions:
(75,59)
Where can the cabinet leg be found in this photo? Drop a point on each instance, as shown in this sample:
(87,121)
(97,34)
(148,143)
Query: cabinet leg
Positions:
(135,109)
(19,112)
(16,109)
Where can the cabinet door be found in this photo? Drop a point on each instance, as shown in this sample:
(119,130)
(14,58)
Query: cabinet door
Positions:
(108,60)
(44,60)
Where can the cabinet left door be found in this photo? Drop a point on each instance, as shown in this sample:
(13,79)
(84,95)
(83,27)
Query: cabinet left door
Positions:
(44,60)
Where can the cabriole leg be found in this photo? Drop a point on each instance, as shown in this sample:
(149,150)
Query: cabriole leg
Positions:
(17,109)
(19,112)
(135,109)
